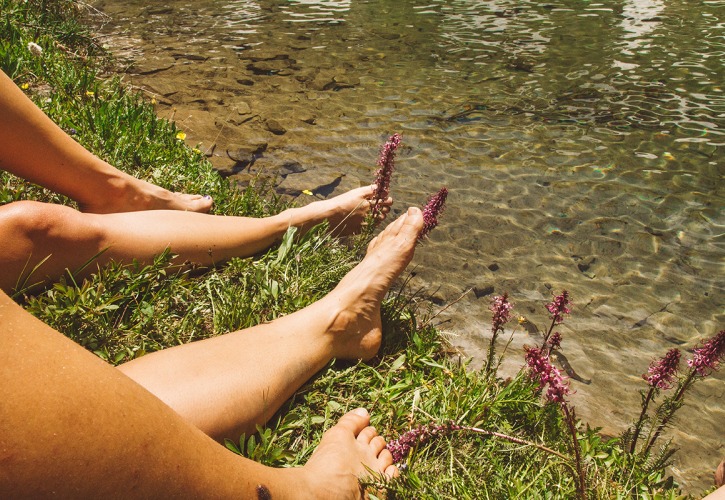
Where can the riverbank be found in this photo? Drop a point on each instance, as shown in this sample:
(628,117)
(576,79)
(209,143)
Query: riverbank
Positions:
(125,312)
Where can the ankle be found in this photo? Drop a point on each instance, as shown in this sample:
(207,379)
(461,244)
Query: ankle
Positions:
(291,483)
(304,218)
(124,191)
(306,483)
(105,195)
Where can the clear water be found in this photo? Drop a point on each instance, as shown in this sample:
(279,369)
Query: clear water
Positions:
(581,142)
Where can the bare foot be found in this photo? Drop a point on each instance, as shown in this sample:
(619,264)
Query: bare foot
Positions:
(129,194)
(348,451)
(356,328)
(346,213)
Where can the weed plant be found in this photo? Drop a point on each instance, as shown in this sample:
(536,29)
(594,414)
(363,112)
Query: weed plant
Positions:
(125,311)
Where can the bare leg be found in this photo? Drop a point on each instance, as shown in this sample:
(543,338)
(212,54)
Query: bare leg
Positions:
(32,231)
(718,494)
(36,149)
(74,427)
(228,384)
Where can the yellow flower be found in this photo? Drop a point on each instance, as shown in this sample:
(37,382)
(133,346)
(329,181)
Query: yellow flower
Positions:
(196,150)
(668,156)
(181,136)
(25,86)
(307,192)
(90,93)
(153,100)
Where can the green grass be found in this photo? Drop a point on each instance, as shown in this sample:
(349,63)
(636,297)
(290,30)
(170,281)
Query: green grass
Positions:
(122,312)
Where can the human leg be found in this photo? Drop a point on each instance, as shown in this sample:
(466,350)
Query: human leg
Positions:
(227,385)
(36,149)
(75,427)
(718,494)
(54,238)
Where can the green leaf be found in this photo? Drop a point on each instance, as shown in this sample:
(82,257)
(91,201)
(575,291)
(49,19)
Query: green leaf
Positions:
(397,363)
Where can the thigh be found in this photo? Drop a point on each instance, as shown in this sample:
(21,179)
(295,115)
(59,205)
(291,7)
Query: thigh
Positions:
(75,427)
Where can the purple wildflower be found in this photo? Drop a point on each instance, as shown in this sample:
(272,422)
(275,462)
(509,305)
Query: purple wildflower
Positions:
(559,306)
(432,210)
(555,341)
(662,372)
(501,308)
(707,357)
(547,374)
(400,448)
(386,164)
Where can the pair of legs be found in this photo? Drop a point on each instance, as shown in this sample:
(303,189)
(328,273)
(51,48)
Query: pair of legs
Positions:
(75,426)
(115,220)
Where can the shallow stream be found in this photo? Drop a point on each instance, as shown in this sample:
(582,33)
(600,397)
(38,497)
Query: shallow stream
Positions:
(581,142)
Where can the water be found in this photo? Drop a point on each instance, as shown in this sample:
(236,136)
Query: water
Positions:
(581,142)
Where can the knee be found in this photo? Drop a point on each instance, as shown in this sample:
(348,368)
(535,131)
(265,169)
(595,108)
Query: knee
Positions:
(31,232)
(33,221)
(17,219)
(29,218)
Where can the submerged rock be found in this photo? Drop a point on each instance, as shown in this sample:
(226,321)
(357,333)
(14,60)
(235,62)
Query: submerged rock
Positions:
(151,64)
(275,127)
(291,168)
(245,156)
(319,182)
(483,290)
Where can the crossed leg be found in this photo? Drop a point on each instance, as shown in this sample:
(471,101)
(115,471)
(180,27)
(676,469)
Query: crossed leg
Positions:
(43,240)
(75,426)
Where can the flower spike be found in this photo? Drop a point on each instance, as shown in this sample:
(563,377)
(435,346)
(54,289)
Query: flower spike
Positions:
(432,210)
(707,357)
(386,164)
(547,374)
(661,373)
(560,306)
(400,448)
(501,309)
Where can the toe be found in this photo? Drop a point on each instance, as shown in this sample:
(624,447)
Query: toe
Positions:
(385,456)
(392,471)
(354,421)
(414,221)
(377,444)
(367,435)
(197,203)
(394,228)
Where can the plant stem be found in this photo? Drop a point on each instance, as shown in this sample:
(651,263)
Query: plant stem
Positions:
(546,337)
(514,439)
(675,399)
(580,479)
(491,353)
(640,422)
